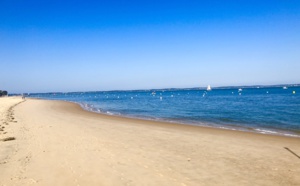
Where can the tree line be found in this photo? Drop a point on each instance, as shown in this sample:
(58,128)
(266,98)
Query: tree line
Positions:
(3,93)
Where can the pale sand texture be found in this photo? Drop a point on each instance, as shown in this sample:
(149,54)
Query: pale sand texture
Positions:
(58,143)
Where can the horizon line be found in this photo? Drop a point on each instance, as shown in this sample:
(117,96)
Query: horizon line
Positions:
(173,88)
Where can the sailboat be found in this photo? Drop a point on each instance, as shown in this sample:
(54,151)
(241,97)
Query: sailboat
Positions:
(208,88)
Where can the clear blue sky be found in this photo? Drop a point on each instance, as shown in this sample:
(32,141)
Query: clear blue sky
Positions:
(105,45)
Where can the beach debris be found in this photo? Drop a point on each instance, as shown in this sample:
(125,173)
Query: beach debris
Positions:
(8,139)
(292,152)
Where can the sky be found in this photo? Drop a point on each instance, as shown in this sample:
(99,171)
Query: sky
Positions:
(65,46)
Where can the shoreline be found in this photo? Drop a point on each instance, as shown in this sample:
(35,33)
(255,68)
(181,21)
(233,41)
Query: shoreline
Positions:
(59,143)
(264,131)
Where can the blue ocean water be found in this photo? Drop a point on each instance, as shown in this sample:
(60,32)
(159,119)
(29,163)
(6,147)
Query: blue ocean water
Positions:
(270,110)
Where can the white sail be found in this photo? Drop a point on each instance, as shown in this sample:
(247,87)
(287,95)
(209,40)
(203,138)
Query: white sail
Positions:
(208,88)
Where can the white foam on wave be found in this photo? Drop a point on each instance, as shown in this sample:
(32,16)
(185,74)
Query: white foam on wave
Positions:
(264,131)
(292,135)
(227,128)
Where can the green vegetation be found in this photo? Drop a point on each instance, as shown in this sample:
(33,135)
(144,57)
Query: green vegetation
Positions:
(3,93)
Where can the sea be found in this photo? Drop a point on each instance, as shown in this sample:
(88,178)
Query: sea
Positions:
(261,109)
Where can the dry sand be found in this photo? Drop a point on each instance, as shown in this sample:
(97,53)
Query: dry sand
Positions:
(58,143)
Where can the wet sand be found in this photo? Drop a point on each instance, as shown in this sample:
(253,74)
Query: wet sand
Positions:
(58,143)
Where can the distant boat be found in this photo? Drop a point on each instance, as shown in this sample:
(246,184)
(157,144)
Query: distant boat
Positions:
(240,90)
(284,87)
(208,88)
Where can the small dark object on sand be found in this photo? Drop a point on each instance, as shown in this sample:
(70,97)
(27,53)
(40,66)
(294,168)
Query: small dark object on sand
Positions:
(8,139)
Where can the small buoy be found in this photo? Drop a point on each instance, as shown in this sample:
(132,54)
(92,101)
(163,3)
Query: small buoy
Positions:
(294,92)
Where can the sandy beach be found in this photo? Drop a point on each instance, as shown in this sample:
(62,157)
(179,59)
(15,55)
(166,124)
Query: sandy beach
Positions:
(59,143)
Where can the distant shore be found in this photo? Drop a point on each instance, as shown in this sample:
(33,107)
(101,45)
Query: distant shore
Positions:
(59,143)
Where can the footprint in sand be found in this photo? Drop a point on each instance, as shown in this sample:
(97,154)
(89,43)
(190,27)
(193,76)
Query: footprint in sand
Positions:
(8,139)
